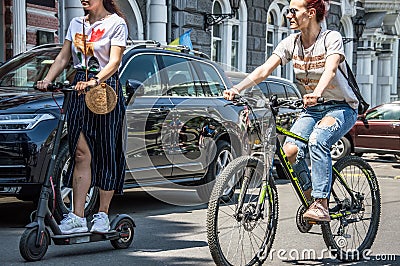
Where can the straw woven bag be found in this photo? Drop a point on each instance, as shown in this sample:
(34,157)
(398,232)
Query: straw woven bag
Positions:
(102,98)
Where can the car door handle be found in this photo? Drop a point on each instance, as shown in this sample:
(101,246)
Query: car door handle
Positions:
(160,109)
(396,124)
(210,109)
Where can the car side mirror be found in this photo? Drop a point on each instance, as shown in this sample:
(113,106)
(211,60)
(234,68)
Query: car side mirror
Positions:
(361,117)
(133,88)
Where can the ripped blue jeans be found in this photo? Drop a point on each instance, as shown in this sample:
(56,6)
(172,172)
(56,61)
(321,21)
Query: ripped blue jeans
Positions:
(320,140)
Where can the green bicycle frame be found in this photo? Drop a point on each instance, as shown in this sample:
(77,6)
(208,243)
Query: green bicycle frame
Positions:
(289,173)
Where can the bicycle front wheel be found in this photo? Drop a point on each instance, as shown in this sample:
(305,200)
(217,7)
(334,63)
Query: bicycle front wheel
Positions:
(356,219)
(242,214)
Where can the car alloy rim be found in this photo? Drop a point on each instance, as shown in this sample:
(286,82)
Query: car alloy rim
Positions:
(337,149)
(223,159)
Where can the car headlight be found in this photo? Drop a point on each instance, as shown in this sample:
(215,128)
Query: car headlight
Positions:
(22,121)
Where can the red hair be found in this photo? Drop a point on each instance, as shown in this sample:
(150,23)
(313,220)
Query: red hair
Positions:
(319,6)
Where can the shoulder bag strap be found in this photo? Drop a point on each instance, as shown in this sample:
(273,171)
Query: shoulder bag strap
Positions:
(294,44)
(84,46)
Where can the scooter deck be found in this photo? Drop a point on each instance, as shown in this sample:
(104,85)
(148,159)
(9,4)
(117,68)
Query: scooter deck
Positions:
(78,238)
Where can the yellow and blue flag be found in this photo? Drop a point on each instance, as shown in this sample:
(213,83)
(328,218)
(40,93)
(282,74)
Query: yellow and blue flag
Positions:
(184,39)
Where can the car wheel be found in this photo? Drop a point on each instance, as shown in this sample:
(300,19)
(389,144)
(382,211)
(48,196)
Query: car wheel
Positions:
(223,157)
(340,148)
(64,195)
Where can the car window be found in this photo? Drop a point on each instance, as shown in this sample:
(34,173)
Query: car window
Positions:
(213,83)
(264,88)
(144,68)
(31,69)
(291,93)
(385,112)
(277,89)
(182,79)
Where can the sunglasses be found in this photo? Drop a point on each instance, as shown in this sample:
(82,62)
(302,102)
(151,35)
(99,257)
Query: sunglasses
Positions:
(292,11)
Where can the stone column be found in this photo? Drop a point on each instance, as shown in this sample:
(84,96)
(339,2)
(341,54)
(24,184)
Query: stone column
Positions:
(157,30)
(72,8)
(365,77)
(2,35)
(19,26)
(384,79)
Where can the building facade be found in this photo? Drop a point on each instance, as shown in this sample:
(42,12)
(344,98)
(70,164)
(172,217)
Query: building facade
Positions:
(241,42)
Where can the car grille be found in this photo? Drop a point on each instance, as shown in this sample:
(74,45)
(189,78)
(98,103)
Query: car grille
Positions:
(12,168)
(13,161)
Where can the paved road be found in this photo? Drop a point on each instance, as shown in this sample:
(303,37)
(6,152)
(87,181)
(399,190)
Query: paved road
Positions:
(175,235)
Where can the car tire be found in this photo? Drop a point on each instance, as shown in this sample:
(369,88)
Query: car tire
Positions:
(223,156)
(63,200)
(340,149)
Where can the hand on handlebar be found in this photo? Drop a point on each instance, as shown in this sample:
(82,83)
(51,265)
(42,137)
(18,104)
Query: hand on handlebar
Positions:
(230,94)
(82,86)
(311,99)
(42,85)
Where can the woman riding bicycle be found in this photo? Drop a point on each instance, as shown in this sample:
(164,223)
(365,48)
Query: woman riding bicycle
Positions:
(316,56)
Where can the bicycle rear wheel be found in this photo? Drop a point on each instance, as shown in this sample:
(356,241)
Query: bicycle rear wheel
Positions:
(351,234)
(237,233)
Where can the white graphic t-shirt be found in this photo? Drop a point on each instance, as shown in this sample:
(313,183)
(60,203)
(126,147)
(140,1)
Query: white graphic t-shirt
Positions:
(309,64)
(100,36)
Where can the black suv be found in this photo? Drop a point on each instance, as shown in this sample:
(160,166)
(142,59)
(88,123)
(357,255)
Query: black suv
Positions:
(179,127)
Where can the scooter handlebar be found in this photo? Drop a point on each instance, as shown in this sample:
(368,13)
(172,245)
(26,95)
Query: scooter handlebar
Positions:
(57,86)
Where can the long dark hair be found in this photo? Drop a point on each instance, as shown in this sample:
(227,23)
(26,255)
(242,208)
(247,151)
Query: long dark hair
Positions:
(112,7)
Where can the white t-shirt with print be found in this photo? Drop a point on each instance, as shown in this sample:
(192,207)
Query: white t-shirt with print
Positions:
(100,36)
(312,60)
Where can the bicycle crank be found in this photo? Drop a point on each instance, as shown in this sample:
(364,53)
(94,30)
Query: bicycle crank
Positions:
(303,225)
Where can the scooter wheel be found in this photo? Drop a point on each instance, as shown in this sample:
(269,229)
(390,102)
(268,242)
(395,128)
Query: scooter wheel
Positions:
(125,228)
(27,245)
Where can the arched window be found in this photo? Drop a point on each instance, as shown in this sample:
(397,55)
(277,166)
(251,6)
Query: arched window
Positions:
(278,28)
(235,43)
(216,51)
(270,34)
(226,46)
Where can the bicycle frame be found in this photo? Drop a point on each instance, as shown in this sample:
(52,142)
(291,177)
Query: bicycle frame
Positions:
(289,173)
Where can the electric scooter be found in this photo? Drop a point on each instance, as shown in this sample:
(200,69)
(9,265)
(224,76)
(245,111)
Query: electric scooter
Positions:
(36,237)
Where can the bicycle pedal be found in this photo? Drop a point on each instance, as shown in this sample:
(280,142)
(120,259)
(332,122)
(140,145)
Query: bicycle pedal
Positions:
(312,222)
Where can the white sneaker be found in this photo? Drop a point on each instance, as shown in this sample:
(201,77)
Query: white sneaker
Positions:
(73,224)
(101,224)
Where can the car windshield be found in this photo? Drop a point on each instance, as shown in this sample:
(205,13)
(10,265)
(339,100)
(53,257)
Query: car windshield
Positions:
(385,112)
(24,70)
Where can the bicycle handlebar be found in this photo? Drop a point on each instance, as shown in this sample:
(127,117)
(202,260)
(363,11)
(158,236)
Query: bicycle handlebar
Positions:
(275,104)
(58,86)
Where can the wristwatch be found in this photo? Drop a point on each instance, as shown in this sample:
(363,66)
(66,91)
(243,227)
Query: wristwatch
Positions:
(96,79)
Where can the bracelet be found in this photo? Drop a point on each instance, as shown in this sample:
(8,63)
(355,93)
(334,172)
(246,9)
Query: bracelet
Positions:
(96,79)
(45,79)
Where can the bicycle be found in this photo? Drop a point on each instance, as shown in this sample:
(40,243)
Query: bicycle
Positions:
(242,215)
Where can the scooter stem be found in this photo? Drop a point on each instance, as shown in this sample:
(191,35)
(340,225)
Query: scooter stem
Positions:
(43,212)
